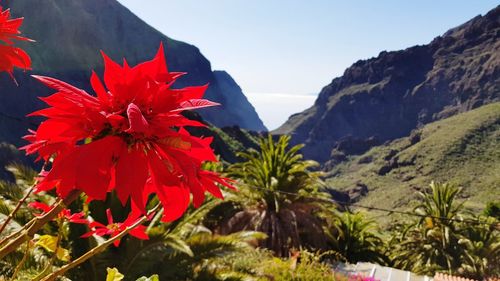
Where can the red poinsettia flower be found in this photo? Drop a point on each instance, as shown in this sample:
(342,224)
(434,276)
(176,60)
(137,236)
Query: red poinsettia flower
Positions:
(138,142)
(112,229)
(11,56)
(65,213)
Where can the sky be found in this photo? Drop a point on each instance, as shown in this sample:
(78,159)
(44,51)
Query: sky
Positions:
(283,52)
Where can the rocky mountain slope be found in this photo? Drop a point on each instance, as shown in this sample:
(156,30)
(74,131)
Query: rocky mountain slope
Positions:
(69,35)
(463,149)
(387,97)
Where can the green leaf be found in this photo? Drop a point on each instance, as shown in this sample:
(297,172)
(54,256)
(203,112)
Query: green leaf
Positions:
(114,275)
(178,244)
(63,254)
(151,278)
(49,243)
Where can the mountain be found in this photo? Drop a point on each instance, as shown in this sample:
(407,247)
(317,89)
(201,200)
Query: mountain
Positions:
(69,35)
(237,102)
(384,98)
(463,149)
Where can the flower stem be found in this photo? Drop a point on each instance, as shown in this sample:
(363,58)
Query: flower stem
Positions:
(14,234)
(21,202)
(18,206)
(53,258)
(98,249)
(21,263)
(28,233)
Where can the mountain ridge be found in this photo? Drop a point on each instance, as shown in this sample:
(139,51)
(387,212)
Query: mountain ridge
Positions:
(388,96)
(69,35)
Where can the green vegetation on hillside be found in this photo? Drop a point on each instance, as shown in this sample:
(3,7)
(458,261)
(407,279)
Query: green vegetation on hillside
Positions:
(277,226)
(463,149)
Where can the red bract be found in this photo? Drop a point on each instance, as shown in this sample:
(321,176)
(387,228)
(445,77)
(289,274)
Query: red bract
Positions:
(11,56)
(139,146)
(112,229)
(65,213)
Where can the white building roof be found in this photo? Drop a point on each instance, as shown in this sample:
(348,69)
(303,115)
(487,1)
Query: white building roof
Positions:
(379,272)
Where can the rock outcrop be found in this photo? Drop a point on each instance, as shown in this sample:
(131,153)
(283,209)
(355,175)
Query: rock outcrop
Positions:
(389,96)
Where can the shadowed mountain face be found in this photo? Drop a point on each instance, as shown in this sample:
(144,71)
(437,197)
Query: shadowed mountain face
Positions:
(69,35)
(387,97)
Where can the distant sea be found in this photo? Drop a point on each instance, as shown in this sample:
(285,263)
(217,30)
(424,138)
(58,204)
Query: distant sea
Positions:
(275,108)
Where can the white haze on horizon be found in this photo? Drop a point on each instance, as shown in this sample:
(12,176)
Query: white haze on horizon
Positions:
(275,108)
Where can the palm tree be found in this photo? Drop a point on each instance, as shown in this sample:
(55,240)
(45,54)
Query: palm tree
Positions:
(196,255)
(439,203)
(353,236)
(431,244)
(275,190)
(481,243)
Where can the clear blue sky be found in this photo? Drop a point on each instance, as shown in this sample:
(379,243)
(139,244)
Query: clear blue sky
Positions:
(295,47)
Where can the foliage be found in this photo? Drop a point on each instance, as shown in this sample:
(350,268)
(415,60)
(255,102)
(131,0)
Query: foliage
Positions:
(32,257)
(12,192)
(463,149)
(261,265)
(233,144)
(431,245)
(275,190)
(180,250)
(492,209)
(439,205)
(301,266)
(481,248)
(354,238)
(186,250)
(444,241)
(113,274)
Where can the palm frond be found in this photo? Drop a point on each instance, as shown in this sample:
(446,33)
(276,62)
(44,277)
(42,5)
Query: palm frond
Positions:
(271,183)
